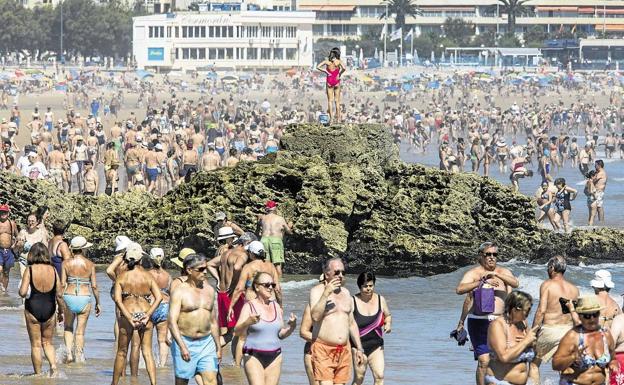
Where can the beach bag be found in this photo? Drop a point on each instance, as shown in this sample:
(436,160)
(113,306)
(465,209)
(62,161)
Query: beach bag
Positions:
(324,119)
(483,299)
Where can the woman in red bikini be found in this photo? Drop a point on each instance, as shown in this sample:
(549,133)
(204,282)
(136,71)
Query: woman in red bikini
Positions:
(334,68)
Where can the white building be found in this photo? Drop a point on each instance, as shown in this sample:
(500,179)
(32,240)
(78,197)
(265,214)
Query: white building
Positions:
(236,40)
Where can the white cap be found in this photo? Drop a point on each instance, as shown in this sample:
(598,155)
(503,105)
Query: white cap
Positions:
(122,242)
(255,247)
(602,279)
(134,251)
(79,242)
(158,146)
(157,255)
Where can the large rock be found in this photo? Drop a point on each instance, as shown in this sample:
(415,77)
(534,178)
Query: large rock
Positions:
(347,194)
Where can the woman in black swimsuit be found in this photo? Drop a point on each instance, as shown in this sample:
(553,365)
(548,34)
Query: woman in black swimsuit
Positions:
(41,288)
(373,318)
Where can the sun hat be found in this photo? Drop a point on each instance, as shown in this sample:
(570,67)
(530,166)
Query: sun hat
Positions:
(79,242)
(225,232)
(602,279)
(157,255)
(134,252)
(219,216)
(178,260)
(121,242)
(588,304)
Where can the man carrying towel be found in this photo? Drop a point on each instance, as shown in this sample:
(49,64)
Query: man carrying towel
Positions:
(550,316)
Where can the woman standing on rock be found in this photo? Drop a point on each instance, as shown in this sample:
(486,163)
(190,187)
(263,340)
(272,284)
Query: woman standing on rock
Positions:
(373,318)
(563,197)
(333,68)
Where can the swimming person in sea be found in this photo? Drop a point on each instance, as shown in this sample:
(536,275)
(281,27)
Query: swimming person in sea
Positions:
(78,282)
(333,67)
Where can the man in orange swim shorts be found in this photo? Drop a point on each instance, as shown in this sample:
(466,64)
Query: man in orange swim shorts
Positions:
(332,313)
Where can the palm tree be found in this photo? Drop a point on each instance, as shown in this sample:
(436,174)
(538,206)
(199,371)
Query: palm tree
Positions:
(401,9)
(513,9)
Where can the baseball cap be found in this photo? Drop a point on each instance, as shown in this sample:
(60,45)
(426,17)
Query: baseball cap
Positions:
(602,279)
(255,247)
(270,205)
(219,216)
(134,252)
(157,255)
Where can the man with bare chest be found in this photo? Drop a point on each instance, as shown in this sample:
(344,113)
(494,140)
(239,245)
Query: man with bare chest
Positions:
(273,228)
(189,159)
(331,308)
(57,166)
(193,326)
(210,160)
(8,239)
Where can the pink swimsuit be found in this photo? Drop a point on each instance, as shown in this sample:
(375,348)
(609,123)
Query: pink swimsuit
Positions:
(332,77)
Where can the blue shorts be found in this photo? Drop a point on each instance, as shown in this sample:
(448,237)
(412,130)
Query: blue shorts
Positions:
(152,174)
(203,357)
(478,331)
(48,126)
(7,258)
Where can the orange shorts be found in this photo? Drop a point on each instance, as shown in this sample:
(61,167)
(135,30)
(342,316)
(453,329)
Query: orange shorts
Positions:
(331,363)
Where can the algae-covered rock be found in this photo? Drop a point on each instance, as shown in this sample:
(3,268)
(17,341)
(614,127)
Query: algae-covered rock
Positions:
(346,193)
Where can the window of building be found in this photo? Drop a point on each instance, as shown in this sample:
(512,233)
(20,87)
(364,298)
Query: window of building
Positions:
(197,32)
(278,53)
(217,31)
(229,53)
(291,53)
(177,53)
(220,53)
(212,53)
(318,30)
(238,31)
(252,31)
(230,31)
(185,53)
(184,31)
(211,32)
(266,31)
(291,32)
(156,32)
(278,31)
(202,30)
(193,53)
(252,53)
(168,31)
(265,53)
(177,31)
(201,53)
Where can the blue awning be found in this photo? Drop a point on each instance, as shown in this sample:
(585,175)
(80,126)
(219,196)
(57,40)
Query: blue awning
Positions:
(142,74)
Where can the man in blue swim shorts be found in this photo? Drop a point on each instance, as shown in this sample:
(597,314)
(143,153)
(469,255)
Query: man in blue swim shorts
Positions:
(487,285)
(194,327)
(8,237)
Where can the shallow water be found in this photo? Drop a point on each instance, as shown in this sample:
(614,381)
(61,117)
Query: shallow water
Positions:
(16,367)
(614,196)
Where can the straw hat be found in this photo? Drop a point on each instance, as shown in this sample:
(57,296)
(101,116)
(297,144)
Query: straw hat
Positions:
(79,242)
(588,304)
(226,232)
(179,259)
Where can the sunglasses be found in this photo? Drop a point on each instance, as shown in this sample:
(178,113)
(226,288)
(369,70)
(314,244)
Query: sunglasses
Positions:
(201,270)
(339,272)
(491,254)
(591,315)
(268,285)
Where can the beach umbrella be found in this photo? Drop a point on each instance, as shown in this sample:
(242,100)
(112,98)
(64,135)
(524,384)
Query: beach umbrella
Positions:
(407,87)
(432,56)
(361,58)
(142,74)
(416,59)
(434,85)
(244,77)
(376,56)
(212,75)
